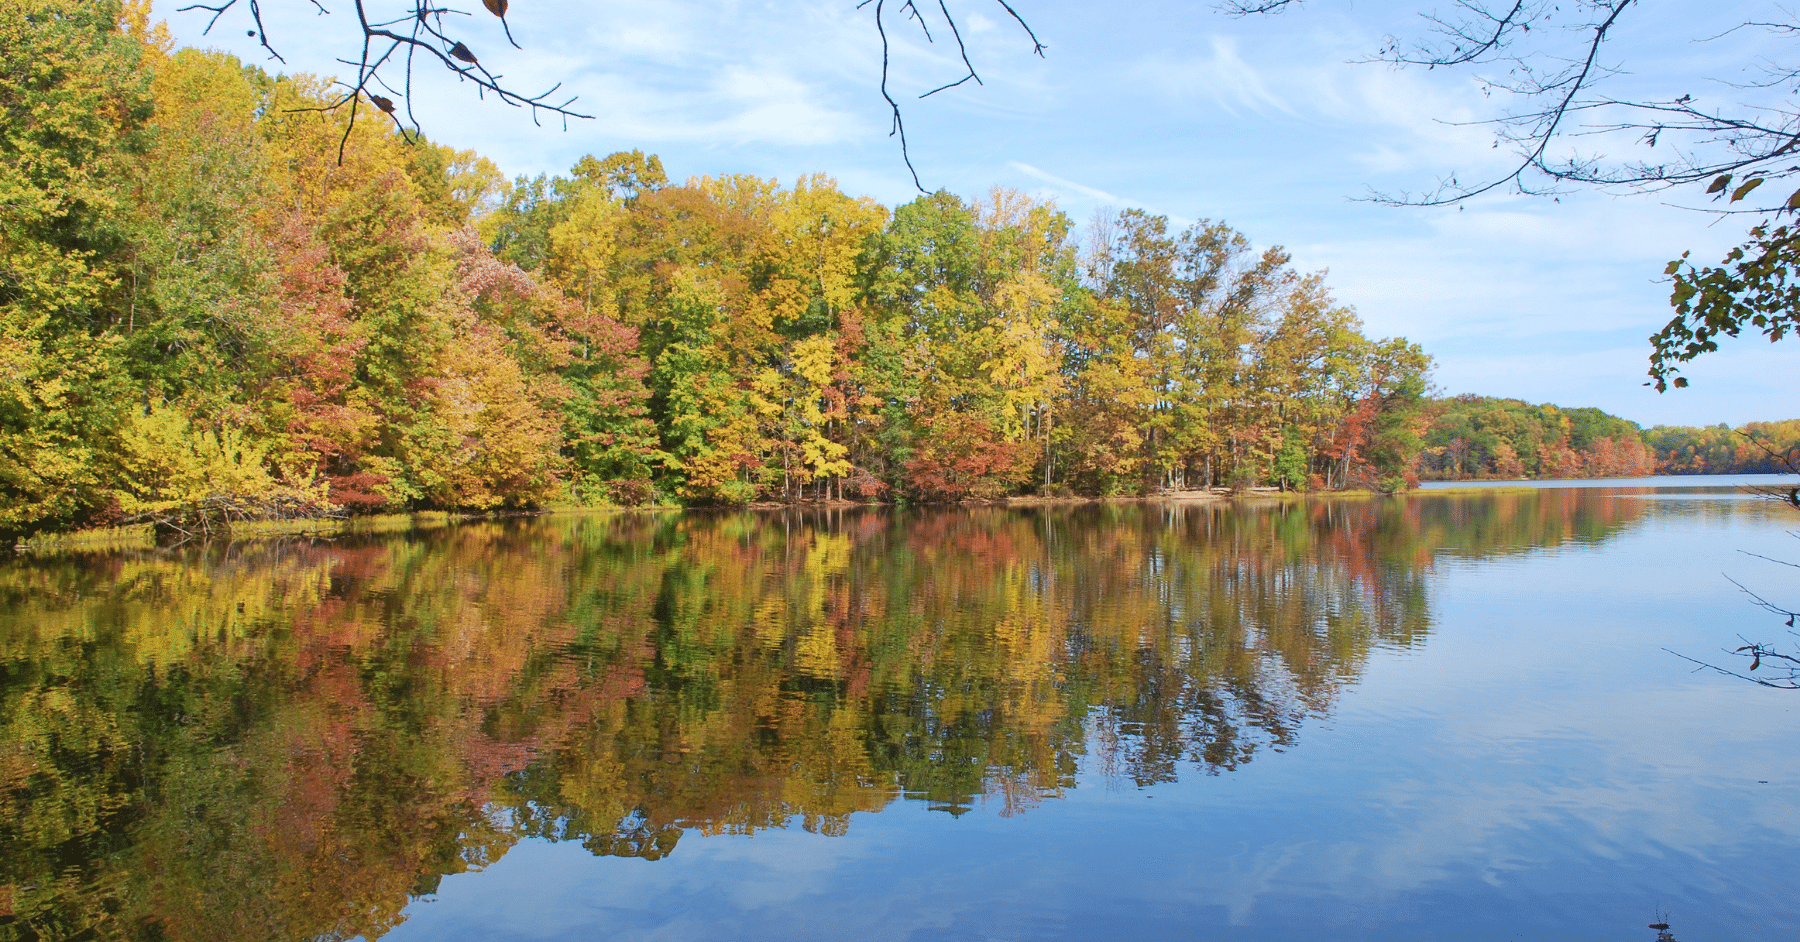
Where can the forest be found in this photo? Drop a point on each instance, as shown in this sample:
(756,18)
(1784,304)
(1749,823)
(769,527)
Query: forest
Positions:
(1481,437)
(220,300)
(1484,437)
(1757,448)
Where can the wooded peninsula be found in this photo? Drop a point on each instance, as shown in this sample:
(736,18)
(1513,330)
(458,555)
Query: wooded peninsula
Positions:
(221,299)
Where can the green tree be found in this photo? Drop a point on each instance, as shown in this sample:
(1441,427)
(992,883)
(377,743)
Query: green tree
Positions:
(74,100)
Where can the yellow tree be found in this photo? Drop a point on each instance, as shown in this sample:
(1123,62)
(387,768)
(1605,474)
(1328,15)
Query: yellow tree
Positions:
(810,282)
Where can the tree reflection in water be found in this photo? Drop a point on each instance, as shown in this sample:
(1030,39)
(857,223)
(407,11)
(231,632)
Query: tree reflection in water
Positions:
(293,740)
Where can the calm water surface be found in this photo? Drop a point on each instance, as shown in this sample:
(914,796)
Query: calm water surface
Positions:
(1446,716)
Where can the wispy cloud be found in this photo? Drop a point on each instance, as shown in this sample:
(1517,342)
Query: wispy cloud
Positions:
(1062,188)
(1223,76)
(1054,180)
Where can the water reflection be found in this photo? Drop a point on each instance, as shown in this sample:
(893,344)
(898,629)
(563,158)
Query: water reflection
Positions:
(282,741)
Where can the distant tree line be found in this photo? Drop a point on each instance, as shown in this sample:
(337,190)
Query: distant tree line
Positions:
(1475,437)
(1485,437)
(219,300)
(1756,448)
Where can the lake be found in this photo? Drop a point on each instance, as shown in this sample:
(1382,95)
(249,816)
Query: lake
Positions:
(1449,715)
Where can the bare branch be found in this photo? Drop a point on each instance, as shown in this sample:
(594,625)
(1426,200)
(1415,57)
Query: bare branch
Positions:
(1466,46)
(1789,493)
(964,50)
(1543,126)
(262,35)
(1771,559)
(899,124)
(421,30)
(1037,47)
(912,13)
(1757,651)
(421,35)
(1792,682)
(1237,8)
(1697,143)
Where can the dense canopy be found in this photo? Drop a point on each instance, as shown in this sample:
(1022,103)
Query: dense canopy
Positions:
(218,301)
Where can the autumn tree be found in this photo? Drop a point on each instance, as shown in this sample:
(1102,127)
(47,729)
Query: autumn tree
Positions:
(1245,371)
(1477,436)
(222,291)
(74,100)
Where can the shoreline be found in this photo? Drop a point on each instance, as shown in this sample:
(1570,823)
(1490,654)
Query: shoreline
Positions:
(142,536)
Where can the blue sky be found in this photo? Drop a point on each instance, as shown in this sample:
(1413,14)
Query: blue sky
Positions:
(1269,124)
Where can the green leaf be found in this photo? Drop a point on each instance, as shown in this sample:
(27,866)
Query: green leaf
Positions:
(1720,182)
(1744,189)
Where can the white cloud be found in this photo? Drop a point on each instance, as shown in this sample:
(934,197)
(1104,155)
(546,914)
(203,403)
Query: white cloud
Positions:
(1082,189)
(1223,76)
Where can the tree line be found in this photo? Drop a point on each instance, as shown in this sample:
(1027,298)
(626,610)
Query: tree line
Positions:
(1756,448)
(1473,437)
(219,301)
(1485,437)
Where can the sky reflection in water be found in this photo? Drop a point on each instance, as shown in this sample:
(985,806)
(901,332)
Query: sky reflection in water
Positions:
(1447,716)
